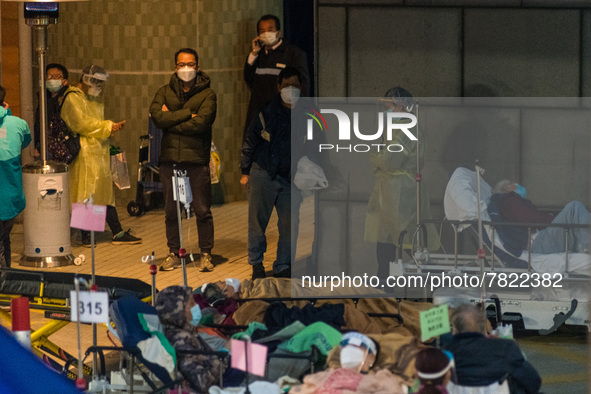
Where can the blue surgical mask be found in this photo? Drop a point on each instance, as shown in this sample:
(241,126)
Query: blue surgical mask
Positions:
(196,314)
(521,190)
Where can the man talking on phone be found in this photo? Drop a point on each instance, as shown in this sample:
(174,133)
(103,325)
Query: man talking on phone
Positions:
(269,55)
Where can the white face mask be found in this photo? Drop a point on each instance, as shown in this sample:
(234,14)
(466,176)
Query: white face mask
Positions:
(53,85)
(269,38)
(352,357)
(290,95)
(95,90)
(186,74)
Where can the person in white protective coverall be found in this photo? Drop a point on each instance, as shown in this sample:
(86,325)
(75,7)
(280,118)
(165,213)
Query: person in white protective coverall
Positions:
(90,173)
(392,206)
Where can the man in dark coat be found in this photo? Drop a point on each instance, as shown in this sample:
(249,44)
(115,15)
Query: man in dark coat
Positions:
(481,360)
(185,110)
(266,173)
(269,55)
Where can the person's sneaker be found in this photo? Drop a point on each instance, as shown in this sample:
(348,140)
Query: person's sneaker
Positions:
(258,271)
(125,238)
(171,262)
(206,264)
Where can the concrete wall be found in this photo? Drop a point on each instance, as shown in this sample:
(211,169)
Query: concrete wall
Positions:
(364,49)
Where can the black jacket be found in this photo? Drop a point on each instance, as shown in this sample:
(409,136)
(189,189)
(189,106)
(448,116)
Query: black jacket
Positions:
(271,150)
(481,361)
(185,138)
(261,76)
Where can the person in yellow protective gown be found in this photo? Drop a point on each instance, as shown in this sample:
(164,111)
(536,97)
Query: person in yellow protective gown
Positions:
(392,206)
(90,173)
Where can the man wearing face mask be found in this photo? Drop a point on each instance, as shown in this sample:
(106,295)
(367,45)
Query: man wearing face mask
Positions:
(90,174)
(56,83)
(185,110)
(269,55)
(180,315)
(266,174)
(509,204)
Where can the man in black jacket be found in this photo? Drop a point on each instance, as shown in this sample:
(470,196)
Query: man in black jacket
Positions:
(185,110)
(269,55)
(481,360)
(266,173)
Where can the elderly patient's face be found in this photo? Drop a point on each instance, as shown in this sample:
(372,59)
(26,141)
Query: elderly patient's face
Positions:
(511,187)
(227,291)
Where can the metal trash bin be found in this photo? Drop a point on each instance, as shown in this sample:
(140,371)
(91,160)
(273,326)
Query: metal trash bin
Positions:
(47,215)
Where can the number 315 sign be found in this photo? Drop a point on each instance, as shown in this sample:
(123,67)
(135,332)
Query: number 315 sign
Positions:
(93,306)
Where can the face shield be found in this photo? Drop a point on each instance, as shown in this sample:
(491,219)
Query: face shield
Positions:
(355,348)
(95,81)
(437,375)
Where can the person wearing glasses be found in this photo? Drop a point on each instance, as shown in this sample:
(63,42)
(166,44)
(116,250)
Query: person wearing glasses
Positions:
(185,110)
(56,84)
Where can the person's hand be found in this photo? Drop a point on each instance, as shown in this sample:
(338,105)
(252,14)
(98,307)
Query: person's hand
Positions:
(5,105)
(164,107)
(244,181)
(256,46)
(117,127)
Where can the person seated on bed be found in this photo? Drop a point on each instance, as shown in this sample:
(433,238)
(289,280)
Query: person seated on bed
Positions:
(481,360)
(510,202)
(179,315)
(358,353)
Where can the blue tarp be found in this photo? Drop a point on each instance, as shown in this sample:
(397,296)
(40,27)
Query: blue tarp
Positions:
(23,372)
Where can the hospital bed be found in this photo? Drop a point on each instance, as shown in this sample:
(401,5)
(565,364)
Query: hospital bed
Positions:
(518,298)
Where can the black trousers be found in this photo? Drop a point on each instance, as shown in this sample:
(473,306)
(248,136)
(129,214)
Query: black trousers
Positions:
(200,182)
(5,229)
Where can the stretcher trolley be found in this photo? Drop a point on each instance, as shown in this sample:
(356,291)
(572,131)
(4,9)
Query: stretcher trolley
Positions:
(50,292)
(531,291)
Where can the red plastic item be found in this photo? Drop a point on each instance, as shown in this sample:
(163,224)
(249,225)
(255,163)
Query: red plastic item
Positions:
(418,177)
(153,269)
(481,253)
(81,384)
(182,253)
(21,318)
(93,287)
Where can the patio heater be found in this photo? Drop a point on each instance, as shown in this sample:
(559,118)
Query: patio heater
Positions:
(45,183)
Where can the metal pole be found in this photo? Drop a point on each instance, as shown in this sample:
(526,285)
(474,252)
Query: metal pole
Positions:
(418,179)
(80,382)
(182,253)
(41,47)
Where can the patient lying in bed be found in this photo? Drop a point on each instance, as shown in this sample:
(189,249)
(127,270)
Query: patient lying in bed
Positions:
(510,203)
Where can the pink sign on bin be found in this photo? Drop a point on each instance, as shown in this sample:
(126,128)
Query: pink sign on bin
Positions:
(88,217)
(257,357)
